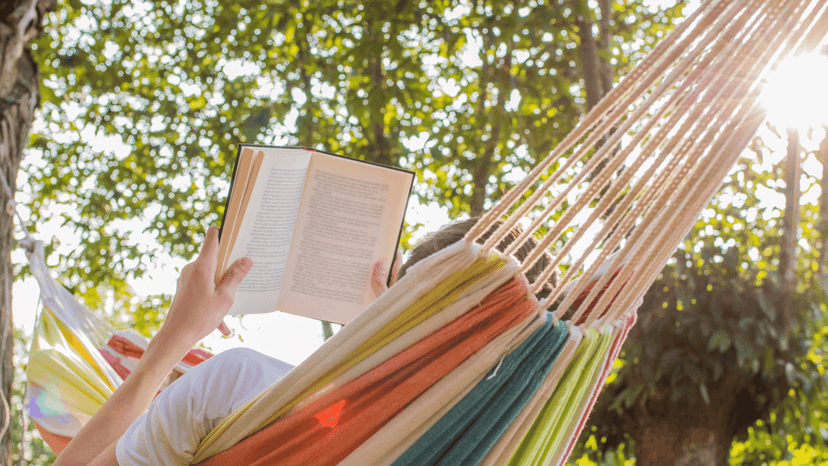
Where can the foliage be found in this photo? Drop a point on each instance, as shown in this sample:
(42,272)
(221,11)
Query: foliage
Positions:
(796,433)
(589,453)
(713,325)
(722,325)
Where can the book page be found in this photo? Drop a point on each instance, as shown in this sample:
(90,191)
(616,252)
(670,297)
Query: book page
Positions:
(350,218)
(249,164)
(266,227)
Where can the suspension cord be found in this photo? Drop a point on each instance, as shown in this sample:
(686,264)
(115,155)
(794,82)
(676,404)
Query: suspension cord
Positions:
(11,209)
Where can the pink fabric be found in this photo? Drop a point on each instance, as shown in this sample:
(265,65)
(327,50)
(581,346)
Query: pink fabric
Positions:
(127,348)
(115,363)
(581,297)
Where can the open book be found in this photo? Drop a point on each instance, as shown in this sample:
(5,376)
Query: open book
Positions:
(314,225)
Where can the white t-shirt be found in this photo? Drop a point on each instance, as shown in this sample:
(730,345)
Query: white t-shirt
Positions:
(183,414)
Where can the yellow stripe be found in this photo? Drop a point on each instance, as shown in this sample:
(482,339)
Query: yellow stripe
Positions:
(53,333)
(71,380)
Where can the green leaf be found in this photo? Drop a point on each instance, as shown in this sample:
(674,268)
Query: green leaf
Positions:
(744,351)
(720,340)
(765,305)
(254,124)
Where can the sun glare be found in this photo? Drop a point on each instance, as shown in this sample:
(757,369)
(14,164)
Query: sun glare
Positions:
(796,93)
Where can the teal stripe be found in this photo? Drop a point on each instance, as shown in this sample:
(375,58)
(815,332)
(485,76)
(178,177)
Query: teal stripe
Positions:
(546,432)
(510,400)
(468,430)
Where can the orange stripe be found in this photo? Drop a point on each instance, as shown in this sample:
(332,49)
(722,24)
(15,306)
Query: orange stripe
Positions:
(56,442)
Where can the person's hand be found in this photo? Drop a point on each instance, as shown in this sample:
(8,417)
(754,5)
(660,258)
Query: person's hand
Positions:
(200,303)
(380,274)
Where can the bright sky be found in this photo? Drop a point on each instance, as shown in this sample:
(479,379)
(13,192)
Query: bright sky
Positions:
(795,94)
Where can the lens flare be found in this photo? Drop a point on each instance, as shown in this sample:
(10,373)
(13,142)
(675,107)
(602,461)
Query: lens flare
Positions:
(796,92)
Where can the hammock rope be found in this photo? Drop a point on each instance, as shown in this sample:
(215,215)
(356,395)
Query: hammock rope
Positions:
(707,98)
(610,197)
(593,117)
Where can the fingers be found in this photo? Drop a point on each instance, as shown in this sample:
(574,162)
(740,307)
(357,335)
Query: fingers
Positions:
(378,277)
(234,275)
(224,329)
(209,250)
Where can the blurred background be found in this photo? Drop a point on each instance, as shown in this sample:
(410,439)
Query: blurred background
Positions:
(142,105)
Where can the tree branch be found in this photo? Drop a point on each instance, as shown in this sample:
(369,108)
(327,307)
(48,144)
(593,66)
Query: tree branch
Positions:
(588,50)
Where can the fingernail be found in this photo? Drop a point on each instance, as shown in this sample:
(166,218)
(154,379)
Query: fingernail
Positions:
(380,265)
(246,263)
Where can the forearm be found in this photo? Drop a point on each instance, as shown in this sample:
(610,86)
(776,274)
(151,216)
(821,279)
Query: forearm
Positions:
(131,400)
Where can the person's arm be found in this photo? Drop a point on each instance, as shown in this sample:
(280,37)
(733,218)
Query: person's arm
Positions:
(106,458)
(197,309)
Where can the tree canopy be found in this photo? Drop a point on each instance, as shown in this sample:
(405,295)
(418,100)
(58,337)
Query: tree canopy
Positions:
(144,103)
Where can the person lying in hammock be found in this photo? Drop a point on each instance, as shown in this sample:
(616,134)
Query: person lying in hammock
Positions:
(124,432)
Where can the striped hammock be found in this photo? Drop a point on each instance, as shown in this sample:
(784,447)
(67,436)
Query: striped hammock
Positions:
(459,363)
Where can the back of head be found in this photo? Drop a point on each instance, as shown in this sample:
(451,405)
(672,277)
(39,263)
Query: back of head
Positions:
(455,231)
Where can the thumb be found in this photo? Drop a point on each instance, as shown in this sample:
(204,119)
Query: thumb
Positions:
(378,276)
(234,275)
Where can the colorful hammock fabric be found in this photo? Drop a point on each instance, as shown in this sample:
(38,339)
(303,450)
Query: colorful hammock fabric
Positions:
(459,363)
(77,360)
(465,433)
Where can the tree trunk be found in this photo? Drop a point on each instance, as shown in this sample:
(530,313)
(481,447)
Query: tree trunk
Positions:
(790,226)
(590,66)
(20,22)
(669,441)
(686,434)
(822,223)
(482,172)
(604,45)
(381,146)
(494,117)
(306,126)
